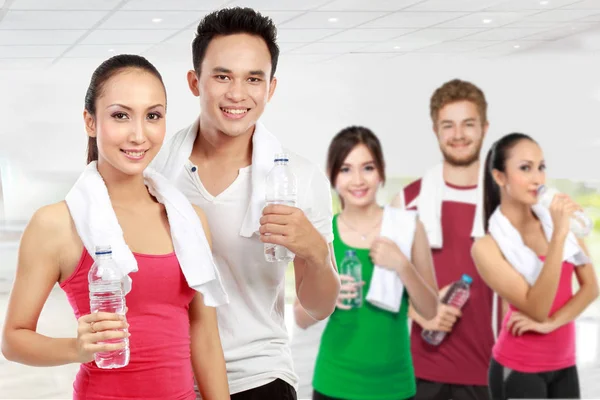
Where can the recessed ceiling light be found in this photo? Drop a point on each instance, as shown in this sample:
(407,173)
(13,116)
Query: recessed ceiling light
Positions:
(544,3)
(156,20)
(516,46)
(397,47)
(333,19)
(111,50)
(487,21)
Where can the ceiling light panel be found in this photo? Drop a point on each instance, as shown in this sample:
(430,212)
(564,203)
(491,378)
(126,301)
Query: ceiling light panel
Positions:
(174,5)
(453,47)
(368,35)
(413,19)
(563,15)
(304,35)
(329,48)
(501,34)
(317,19)
(486,19)
(584,5)
(128,36)
(372,5)
(522,5)
(31,51)
(92,51)
(21,64)
(40,37)
(143,20)
(454,5)
(64,4)
(279,5)
(50,19)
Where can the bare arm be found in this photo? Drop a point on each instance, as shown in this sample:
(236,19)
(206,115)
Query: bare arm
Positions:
(207,353)
(535,300)
(587,293)
(304,319)
(38,270)
(420,280)
(317,283)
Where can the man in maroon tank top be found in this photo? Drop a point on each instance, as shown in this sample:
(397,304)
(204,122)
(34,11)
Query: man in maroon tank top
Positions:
(457,368)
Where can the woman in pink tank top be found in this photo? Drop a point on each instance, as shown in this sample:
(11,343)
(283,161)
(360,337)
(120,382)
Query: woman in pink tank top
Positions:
(173,336)
(534,356)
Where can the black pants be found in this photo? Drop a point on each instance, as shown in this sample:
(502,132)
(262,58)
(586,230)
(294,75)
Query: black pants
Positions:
(320,396)
(508,384)
(428,390)
(276,390)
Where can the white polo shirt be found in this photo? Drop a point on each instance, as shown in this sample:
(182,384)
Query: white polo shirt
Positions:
(252,326)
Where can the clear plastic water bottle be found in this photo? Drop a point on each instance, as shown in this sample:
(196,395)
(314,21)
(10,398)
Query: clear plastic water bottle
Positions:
(457,295)
(581,224)
(281,188)
(352,266)
(107,295)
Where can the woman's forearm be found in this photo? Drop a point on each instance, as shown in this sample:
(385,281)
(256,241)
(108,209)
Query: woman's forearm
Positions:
(541,294)
(422,297)
(208,363)
(31,348)
(574,307)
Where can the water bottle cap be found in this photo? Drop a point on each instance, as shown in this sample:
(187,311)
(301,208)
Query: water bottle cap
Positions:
(541,189)
(281,157)
(103,250)
(350,253)
(467,279)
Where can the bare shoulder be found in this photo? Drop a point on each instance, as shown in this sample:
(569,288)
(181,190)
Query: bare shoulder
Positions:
(485,246)
(398,200)
(51,233)
(53,221)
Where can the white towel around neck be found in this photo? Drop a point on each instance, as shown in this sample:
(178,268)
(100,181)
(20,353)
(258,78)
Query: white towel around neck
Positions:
(386,288)
(97,225)
(264,147)
(429,205)
(521,257)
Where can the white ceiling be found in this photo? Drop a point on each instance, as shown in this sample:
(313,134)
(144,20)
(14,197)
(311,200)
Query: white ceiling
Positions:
(42,33)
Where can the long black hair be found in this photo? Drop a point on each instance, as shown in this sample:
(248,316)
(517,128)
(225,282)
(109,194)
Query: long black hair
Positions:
(496,159)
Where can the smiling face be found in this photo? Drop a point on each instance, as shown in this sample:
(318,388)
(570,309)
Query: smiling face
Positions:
(358,180)
(524,172)
(129,124)
(460,132)
(234,86)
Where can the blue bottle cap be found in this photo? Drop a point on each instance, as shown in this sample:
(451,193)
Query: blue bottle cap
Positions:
(100,250)
(467,279)
(350,253)
(281,157)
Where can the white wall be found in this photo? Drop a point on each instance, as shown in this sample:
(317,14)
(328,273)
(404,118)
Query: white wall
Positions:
(555,99)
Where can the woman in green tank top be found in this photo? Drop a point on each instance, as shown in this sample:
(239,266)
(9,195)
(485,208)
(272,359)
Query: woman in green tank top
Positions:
(365,350)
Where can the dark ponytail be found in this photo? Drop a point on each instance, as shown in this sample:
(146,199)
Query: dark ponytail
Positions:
(496,159)
(101,75)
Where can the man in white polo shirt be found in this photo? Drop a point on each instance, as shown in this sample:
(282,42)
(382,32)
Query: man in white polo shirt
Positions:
(220,162)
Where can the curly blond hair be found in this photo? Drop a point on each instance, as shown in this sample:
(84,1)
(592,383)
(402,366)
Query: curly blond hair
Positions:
(457,90)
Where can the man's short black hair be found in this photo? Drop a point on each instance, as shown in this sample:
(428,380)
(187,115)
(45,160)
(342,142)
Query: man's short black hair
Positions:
(231,21)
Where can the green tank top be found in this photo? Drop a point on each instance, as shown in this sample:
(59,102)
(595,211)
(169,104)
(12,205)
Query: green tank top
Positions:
(365,353)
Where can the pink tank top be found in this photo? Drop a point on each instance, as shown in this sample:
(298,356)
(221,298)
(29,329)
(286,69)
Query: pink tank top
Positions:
(534,352)
(160,362)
